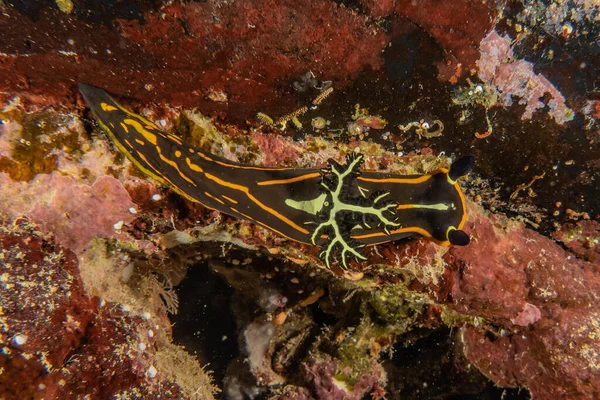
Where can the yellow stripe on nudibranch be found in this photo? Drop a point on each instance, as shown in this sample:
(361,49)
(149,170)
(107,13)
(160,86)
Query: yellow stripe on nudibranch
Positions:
(107,107)
(268,209)
(290,180)
(174,165)
(150,137)
(193,166)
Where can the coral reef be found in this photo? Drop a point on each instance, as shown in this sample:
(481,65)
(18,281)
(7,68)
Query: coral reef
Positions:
(111,285)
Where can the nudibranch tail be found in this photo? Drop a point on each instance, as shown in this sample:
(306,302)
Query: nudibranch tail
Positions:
(340,208)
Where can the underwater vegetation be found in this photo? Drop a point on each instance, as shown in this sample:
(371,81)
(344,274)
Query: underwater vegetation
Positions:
(348,120)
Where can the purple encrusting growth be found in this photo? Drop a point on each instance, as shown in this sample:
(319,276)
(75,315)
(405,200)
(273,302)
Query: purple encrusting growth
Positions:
(514,78)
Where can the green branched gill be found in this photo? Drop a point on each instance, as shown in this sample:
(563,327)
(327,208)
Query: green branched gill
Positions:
(342,212)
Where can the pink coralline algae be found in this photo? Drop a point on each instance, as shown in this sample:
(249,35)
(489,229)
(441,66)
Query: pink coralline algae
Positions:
(74,213)
(276,151)
(516,78)
(56,342)
(582,238)
(321,373)
(543,303)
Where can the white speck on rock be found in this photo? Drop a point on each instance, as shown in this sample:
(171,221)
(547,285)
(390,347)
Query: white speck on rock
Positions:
(152,371)
(20,340)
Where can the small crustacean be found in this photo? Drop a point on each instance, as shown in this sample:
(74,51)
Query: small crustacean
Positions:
(424,129)
(293,116)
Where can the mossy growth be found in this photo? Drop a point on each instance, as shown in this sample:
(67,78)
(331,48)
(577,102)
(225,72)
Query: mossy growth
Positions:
(386,312)
(34,146)
(198,131)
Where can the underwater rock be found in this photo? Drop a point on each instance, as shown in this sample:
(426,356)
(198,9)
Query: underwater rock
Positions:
(244,49)
(458,26)
(378,8)
(541,300)
(58,342)
(582,238)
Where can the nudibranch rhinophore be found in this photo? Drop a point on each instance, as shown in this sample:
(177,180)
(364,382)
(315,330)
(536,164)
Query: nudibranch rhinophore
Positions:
(339,208)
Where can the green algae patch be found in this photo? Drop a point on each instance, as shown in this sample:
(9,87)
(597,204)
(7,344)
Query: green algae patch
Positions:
(385,313)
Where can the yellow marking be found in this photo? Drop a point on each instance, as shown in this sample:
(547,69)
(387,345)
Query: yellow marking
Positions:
(151,137)
(112,125)
(107,107)
(125,128)
(191,150)
(140,142)
(408,229)
(229,199)
(233,165)
(128,144)
(146,121)
(411,181)
(149,170)
(177,153)
(175,139)
(268,209)
(150,127)
(290,180)
(207,158)
(234,210)
(463,220)
(214,198)
(174,165)
(193,166)
(157,175)
(438,207)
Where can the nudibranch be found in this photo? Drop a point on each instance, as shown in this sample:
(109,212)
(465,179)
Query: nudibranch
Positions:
(339,208)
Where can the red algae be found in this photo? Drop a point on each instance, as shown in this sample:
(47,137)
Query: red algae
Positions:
(57,342)
(244,49)
(458,25)
(543,300)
